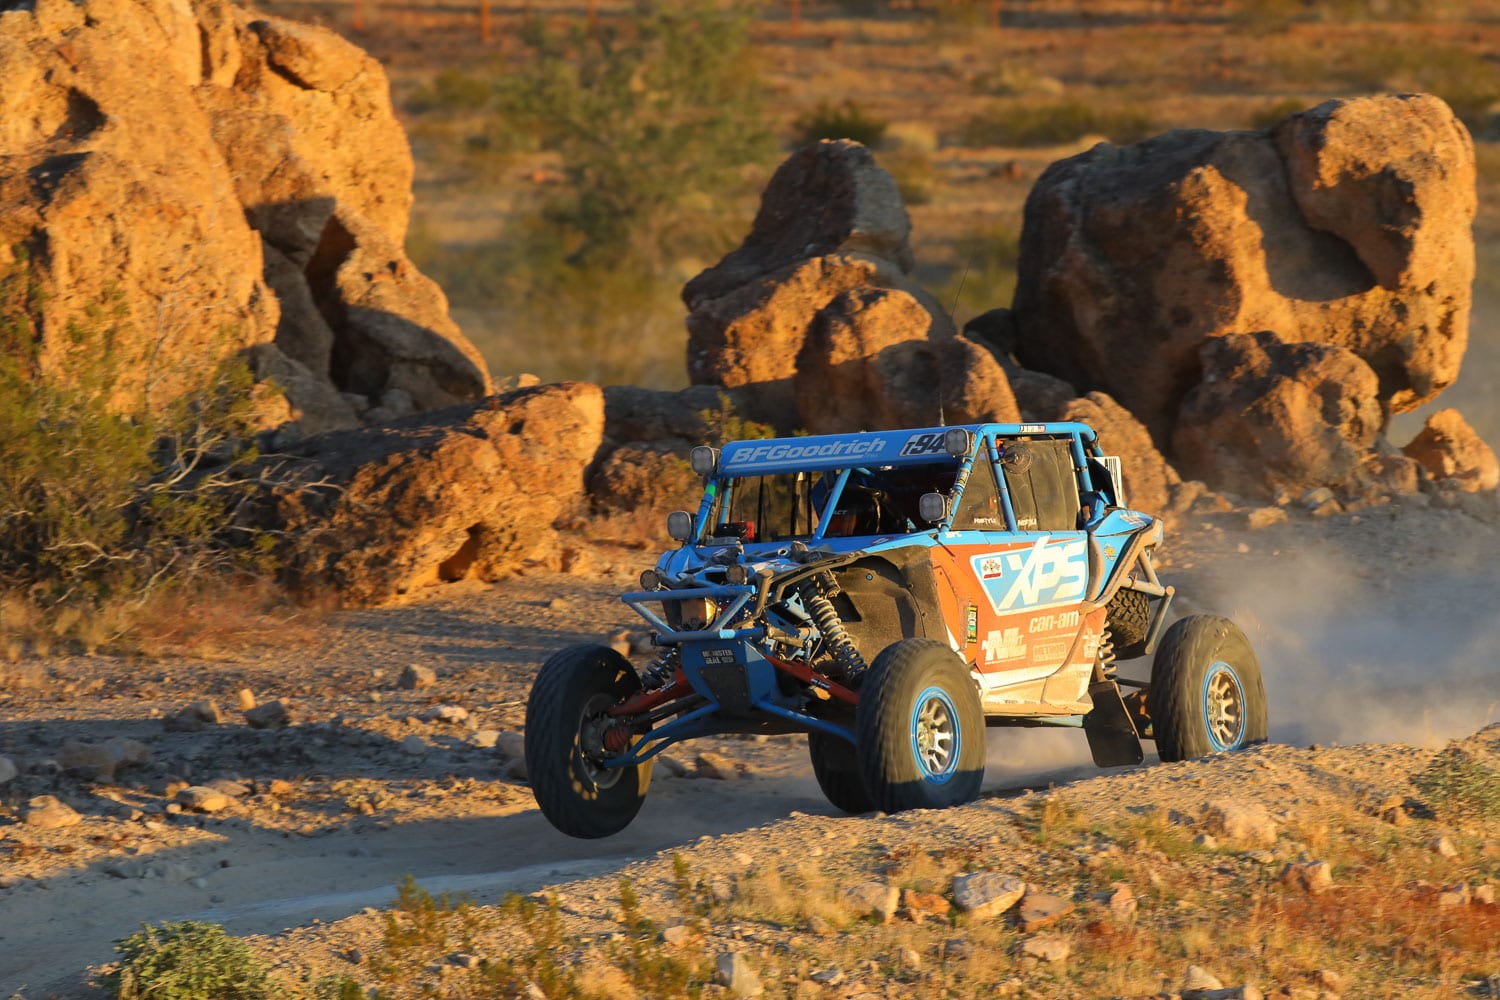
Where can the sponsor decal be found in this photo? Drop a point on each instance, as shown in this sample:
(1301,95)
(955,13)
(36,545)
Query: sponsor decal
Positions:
(930,443)
(1090,647)
(1052,623)
(1001,646)
(1033,428)
(1052,652)
(971,623)
(1049,573)
(1134,519)
(783,452)
(718,657)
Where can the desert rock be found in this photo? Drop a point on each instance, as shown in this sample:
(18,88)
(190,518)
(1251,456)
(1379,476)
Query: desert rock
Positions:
(1348,224)
(1448,448)
(831,221)
(434,498)
(1271,416)
(987,894)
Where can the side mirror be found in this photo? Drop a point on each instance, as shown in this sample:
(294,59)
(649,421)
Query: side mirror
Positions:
(680,525)
(932,507)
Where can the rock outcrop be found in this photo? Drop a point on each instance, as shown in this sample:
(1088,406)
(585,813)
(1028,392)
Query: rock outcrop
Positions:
(1449,449)
(468,491)
(823,282)
(1271,417)
(249,188)
(1346,225)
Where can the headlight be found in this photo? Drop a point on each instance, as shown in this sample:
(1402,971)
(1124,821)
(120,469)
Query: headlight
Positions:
(692,615)
(650,579)
(737,574)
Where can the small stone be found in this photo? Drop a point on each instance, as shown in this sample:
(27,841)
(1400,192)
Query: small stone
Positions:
(245,699)
(670,767)
(714,765)
(1040,909)
(90,760)
(511,746)
(1484,895)
(874,899)
(229,787)
(1393,810)
(1206,841)
(921,905)
(1312,877)
(733,972)
(271,715)
(516,770)
(414,745)
(1444,847)
(983,895)
(8,770)
(1332,979)
(1316,497)
(1263,517)
(464,960)
(1454,895)
(1046,948)
(1199,978)
(828,977)
(1241,822)
(483,739)
(956,949)
(201,798)
(416,676)
(676,935)
(1122,903)
(1328,508)
(451,714)
(47,813)
(909,958)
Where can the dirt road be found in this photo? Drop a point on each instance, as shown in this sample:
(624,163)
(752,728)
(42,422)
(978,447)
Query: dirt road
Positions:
(1369,629)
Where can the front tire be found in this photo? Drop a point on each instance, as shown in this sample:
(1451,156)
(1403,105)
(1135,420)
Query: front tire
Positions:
(836,766)
(920,728)
(564,717)
(1206,693)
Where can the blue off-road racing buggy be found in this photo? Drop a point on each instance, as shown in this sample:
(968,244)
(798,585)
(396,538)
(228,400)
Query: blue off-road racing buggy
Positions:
(891,594)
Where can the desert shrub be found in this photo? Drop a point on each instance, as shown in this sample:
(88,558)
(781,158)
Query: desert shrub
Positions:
(452,90)
(646,113)
(908,154)
(845,120)
(106,497)
(982,274)
(1460,785)
(187,960)
(1272,113)
(1014,124)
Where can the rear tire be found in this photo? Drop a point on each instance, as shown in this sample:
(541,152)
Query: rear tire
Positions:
(563,717)
(836,766)
(1206,693)
(920,728)
(1129,618)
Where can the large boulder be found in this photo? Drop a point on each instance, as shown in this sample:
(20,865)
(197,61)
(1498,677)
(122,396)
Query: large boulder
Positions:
(473,490)
(831,224)
(1346,225)
(1271,417)
(209,180)
(1449,449)
(861,368)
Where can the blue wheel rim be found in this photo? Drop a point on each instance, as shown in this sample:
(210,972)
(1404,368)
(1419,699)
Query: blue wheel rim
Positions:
(1224,715)
(936,735)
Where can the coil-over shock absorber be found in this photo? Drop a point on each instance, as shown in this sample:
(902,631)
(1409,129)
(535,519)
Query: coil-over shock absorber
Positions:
(816,593)
(661,671)
(1106,655)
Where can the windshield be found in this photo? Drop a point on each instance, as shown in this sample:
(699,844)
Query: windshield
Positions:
(774,508)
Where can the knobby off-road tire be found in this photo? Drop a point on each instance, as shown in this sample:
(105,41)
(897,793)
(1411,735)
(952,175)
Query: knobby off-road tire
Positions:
(1206,693)
(836,767)
(570,694)
(920,728)
(1129,618)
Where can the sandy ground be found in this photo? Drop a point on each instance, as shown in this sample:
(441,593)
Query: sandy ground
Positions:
(1371,627)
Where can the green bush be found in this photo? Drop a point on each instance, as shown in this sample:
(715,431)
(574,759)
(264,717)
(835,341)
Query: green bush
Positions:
(189,960)
(1013,124)
(104,496)
(844,120)
(1461,786)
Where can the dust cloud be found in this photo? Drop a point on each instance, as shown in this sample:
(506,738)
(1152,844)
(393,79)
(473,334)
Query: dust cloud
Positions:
(1399,654)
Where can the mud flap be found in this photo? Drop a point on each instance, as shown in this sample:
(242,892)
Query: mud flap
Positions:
(1112,737)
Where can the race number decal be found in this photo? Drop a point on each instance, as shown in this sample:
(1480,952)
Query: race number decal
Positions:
(930,443)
